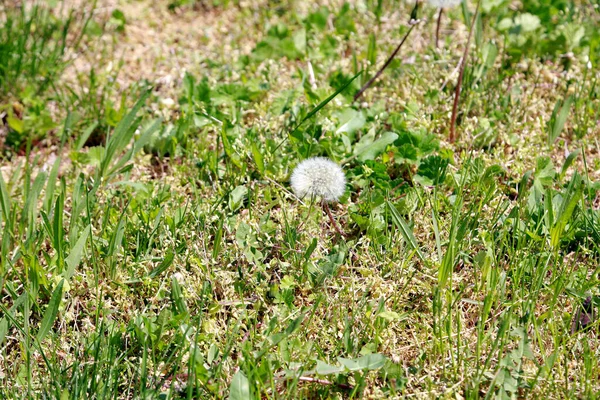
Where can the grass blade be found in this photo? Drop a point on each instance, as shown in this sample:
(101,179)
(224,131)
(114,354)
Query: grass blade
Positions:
(317,108)
(570,200)
(4,200)
(50,187)
(407,233)
(58,230)
(559,118)
(122,135)
(166,263)
(461,74)
(51,311)
(143,139)
(177,296)
(29,213)
(74,257)
(325,102)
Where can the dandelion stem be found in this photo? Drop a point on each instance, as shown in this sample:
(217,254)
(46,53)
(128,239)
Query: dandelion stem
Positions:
(310,206)
(387,63)
(437,29)
(335,225)
(452,136)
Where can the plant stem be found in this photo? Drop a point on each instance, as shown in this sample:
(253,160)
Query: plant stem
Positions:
(387,63)
(335,225)
(452,136)
(437,29)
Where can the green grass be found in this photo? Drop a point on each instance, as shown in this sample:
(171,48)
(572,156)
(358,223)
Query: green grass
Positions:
(150,251)
(36,39)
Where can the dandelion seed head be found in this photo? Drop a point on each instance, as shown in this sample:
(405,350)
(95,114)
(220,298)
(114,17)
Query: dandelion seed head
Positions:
(319,177)
(444,3)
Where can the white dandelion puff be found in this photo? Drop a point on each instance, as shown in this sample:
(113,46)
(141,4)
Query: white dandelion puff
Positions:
(319,177)
(444,3)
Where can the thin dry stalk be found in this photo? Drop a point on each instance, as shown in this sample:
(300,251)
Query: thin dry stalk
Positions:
(437,29)
(387,63)
(452,137)
(335,225)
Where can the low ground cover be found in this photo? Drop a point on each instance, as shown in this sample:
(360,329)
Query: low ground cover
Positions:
(152,245)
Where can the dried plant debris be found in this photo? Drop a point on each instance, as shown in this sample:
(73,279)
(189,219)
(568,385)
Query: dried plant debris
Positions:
(585,316)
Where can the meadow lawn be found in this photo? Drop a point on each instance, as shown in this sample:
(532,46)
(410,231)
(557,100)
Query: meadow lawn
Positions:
(152,245)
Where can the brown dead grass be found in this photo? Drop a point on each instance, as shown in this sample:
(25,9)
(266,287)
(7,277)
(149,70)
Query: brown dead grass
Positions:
(160,46)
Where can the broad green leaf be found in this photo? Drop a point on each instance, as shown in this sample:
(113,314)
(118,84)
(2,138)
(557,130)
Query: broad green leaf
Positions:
(236,197)
(573,33)
(392,316)
(117,18)
(240,387)
(3,329)
(432,171)
(349,364)
(527,22)
(523,184)
(488,5)
(318,19)
(15,124)
(505,24)
(146,135)
(371,361)
(326,369)
(366,362)
(490,53)
(116,238)
(544,172)
(353,121)
(51,311)
(369,151)
(300,40)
